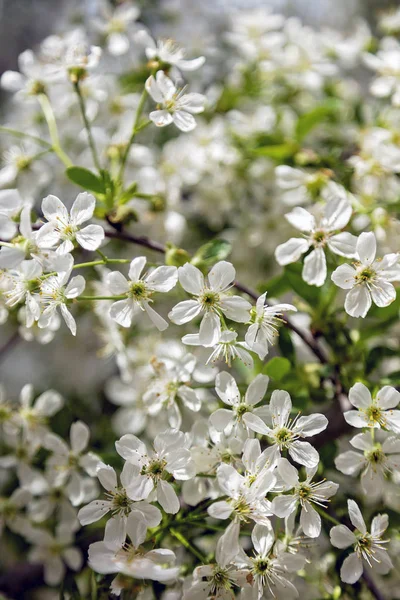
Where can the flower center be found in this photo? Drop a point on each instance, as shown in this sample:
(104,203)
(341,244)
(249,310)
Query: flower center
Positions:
(319,238)
(121,503)
(365,275)
(137,290)
(261,566)
(241,409)
(209,299)
(304,492)
(283,436)
(376,456)
(155,468)
(242,508)
(374,415)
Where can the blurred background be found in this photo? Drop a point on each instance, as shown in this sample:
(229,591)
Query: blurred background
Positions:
(23,24)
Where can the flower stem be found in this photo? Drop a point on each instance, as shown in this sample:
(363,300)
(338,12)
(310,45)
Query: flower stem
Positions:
(87,126)
(104,261)
(135,130)
(21,134)
(53,131)
(326,515)
(185,542)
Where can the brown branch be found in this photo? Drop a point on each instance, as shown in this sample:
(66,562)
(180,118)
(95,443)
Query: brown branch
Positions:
(157,247)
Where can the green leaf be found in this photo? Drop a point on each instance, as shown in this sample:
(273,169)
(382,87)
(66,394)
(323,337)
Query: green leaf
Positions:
(376,356)
(212,252)
(309,293)
(85,179)
(277,367)
(286,345)
(278,152)
(308,121)
(275,287)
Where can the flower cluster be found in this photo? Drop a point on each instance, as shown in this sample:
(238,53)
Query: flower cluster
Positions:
(210,462)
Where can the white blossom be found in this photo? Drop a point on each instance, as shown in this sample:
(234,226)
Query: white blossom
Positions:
(139,291)
(210,299)
(175,106)
(369,280)
(368,547)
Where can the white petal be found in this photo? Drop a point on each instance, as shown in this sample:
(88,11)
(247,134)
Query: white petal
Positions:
(350,463)
(167,497)
(122,312)
(301,219)
(352,569)
(280,406)
(191,279)
(90,237)
(93,512)
(117,283)
(53,208)
(355,418)
(342,537)
(221,276)
(338,210)
(256,424)
(314,269)
(358,301)
(304,454)
(184,312)
(75,287)
(383,293)
(184,120)
(210,329)
(162,279)
(360,396)
(343,277)
(69,319)
(83,208)
(310,521)
(153,89)
(366,247)
(79,435)
(220,510)
(257,390)
(388,397)
(107,477)
(283,506)
(161,118)
(291,250)
(356,517)
(227,389)
(156,319)
(312,424)
(236,308)
(136,267)
(343,244)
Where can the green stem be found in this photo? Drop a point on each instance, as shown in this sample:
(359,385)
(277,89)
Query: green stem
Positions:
(21,134)
(104,261)
(87,126)
(135,130)
(185,542)
(326,515)
(53,131)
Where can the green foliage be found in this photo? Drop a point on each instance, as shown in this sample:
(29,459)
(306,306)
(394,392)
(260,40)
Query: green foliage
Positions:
(307,122)
(212,252)
(86,179)
(277,368)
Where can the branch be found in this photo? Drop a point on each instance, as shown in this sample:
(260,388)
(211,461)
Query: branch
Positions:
(157,247)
